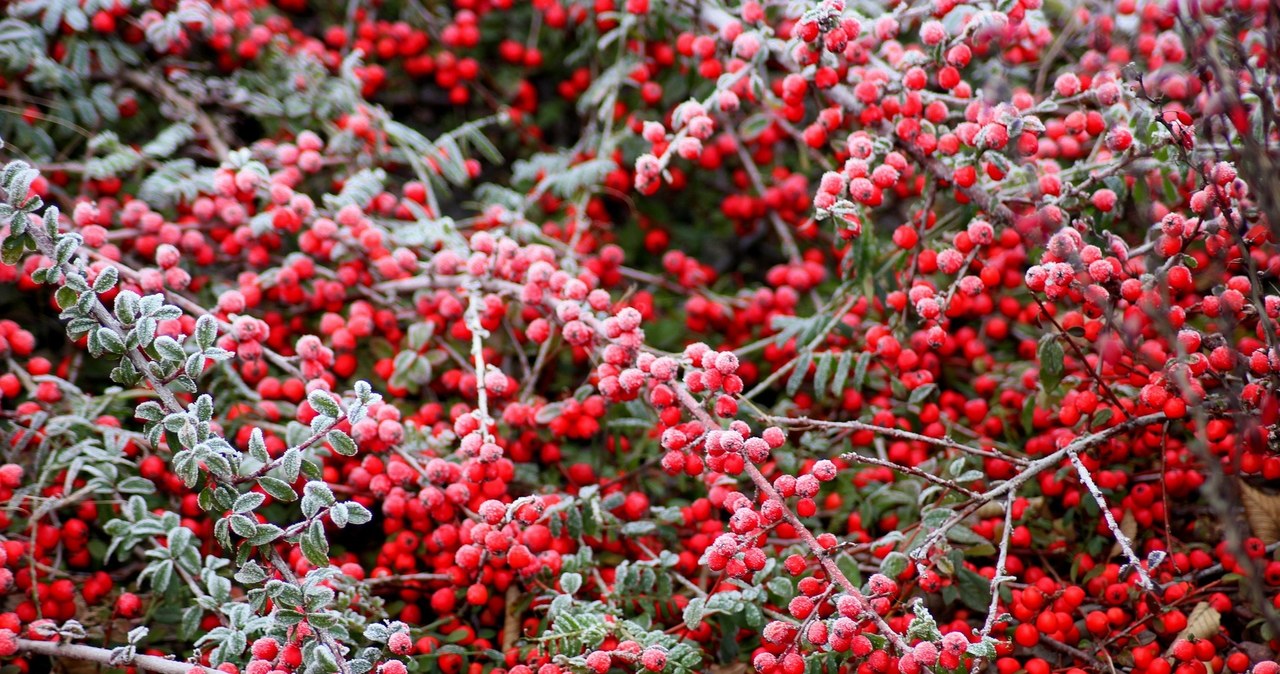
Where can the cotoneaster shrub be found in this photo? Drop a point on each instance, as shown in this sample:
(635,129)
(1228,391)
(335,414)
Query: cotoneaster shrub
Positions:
(926,336)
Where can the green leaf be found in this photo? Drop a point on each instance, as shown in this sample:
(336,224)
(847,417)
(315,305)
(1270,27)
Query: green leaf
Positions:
(316,495)
(190,623)
(222,532)
(206,331)
(315,547)
(77,283)
(419,334)
(338,515)
(265,533)
(342,443)
(849,566)
(168,348)
(278,489)
(975,591)
(66,297)
(251,573)
(932,519)
(860,370)
(323,621)
(79,327)
(922,626)
(456,636)
(570,582)
(753,126)
(825,362)
(127,306)
(136,485)
(288,618)
(693,613)
(65,248)
(162,574)
(248,502)
(985,648)
(842,373)
(893,564)
(782,587)
(377,632)
(1051,357)
(144,332)
(921,393)
(322,402)
(194,365)
(325,658)
(243,525)
(799,373)
(963,535)
(640,528)
(290,464)
(110,340)
(357,514)
(14,245)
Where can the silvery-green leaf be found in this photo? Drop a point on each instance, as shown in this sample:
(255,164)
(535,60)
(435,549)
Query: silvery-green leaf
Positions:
(322,402)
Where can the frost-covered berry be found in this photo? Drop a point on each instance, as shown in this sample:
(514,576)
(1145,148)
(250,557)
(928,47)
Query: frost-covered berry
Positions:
(654,659)
(400,643)
(599,662)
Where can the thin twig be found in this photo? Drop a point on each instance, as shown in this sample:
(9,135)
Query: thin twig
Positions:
(1121,538)
(103,656)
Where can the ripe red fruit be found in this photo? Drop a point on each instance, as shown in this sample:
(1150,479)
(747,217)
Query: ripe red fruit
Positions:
(128,605)
(103,22)
(265,648)
(905,237)
(11,475)
(598,662)
(654,659)
(400,643)
(1026,635)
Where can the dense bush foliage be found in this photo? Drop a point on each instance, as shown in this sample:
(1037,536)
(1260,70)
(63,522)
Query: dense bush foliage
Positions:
(565,336)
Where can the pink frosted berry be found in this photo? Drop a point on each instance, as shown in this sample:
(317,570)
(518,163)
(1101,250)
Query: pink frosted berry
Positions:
(1067,85)
(400,643)
(654,659)
(599,661)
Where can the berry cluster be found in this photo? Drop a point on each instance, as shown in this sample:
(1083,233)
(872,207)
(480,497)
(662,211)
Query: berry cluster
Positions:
(581,337)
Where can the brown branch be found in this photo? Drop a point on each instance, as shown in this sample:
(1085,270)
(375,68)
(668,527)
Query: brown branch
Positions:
(909,470)
(888,431)
(511,618)
(195,309)
(1038,466)
(325,638)
(44,242)
(102,656)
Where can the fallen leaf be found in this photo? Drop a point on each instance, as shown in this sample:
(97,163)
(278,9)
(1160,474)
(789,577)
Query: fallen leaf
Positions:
(1128,527)
(1262,510)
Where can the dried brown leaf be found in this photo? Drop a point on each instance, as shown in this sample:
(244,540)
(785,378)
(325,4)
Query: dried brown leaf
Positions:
(1262,510)
(1128,527)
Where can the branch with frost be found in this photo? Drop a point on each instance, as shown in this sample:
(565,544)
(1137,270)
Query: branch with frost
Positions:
(1087,479)
(108,657)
